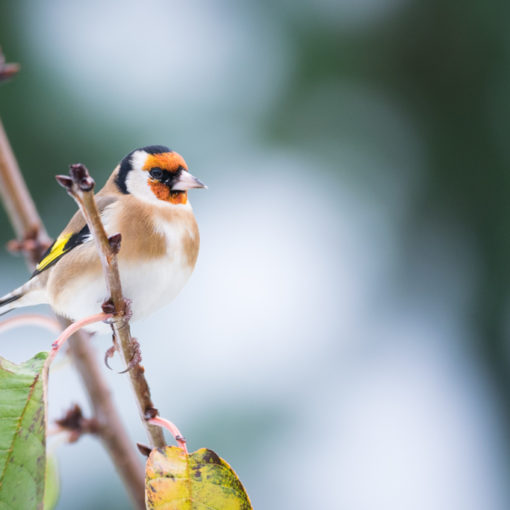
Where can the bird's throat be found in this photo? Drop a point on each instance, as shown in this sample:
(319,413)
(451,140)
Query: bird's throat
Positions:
(163,192)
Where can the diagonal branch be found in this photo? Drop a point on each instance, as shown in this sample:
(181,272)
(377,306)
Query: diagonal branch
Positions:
(81,187)
(28,226)
(19,204)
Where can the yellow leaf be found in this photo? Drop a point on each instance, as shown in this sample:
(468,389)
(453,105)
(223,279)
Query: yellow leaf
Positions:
(175,480)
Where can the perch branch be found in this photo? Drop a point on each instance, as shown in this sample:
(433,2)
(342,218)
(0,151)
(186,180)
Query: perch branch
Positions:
(81,187)
(28,226)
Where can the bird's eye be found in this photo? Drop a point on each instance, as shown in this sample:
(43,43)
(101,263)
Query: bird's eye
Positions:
(156,173)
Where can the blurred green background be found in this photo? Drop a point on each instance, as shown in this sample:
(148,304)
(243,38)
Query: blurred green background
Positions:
(344,335)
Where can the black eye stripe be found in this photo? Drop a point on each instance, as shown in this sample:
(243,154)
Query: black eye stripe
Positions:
(164,176)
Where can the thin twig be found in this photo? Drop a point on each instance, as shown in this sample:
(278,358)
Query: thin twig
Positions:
(73,328)
(28,225)
(81,187)
(172,428)
(30,319)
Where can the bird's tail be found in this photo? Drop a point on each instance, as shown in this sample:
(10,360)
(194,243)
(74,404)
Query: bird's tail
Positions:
(7,302)
(28,294)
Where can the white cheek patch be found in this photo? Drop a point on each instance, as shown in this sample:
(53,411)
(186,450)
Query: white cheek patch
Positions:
(137,181)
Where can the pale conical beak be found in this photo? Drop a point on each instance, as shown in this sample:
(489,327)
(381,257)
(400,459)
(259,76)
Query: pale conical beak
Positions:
(187,181)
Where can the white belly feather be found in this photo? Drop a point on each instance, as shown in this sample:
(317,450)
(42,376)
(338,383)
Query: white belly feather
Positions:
(149,285)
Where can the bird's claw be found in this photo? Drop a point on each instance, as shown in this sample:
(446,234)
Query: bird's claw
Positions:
(109,354)
(136,358)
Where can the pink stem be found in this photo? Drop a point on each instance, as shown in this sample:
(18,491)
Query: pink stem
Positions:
(31,319)
(73,328)
(172,428)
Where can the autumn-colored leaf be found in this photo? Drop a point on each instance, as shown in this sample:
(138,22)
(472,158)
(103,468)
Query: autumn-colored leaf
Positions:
(175,480)
(22,434)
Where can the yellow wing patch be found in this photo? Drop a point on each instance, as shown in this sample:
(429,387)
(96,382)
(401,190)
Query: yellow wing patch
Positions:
(56,251)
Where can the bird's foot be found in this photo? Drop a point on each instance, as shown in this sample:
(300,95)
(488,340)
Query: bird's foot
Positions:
(124,316)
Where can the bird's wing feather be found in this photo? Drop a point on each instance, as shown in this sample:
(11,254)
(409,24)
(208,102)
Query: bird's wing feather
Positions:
(76,233)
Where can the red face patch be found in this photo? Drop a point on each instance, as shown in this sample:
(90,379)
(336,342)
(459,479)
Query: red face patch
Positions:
(163,192)
(170,161)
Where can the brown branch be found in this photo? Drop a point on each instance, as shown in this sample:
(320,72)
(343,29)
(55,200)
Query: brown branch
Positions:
(19,204)
(81,187)
(27,225)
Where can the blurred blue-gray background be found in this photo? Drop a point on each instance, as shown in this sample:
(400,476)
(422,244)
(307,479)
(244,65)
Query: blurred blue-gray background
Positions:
(343,340)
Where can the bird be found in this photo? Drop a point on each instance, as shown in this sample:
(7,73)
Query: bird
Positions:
(145,199)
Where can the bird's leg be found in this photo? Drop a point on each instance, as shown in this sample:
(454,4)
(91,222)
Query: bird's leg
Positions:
(122,317)
(73,328)
(109,307)
(125,316)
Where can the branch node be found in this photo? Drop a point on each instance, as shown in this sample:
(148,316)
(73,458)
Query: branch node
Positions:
(76,424)
(114,241)
(150,413)
(80,175)
(65,181)
(108,306)
(143,449)
(32,244)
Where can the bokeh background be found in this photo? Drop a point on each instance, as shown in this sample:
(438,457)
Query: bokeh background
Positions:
(343,340)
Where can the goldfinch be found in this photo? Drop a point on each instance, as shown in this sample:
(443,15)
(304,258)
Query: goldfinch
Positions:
(146,200)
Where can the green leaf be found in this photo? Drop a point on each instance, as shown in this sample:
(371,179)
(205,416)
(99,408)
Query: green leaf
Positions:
(175,480)
(22,434)
(52,484)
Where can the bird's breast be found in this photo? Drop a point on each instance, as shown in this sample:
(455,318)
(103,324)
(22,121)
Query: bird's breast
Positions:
(164,264)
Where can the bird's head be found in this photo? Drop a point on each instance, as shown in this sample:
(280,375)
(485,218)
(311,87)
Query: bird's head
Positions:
(156,173)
